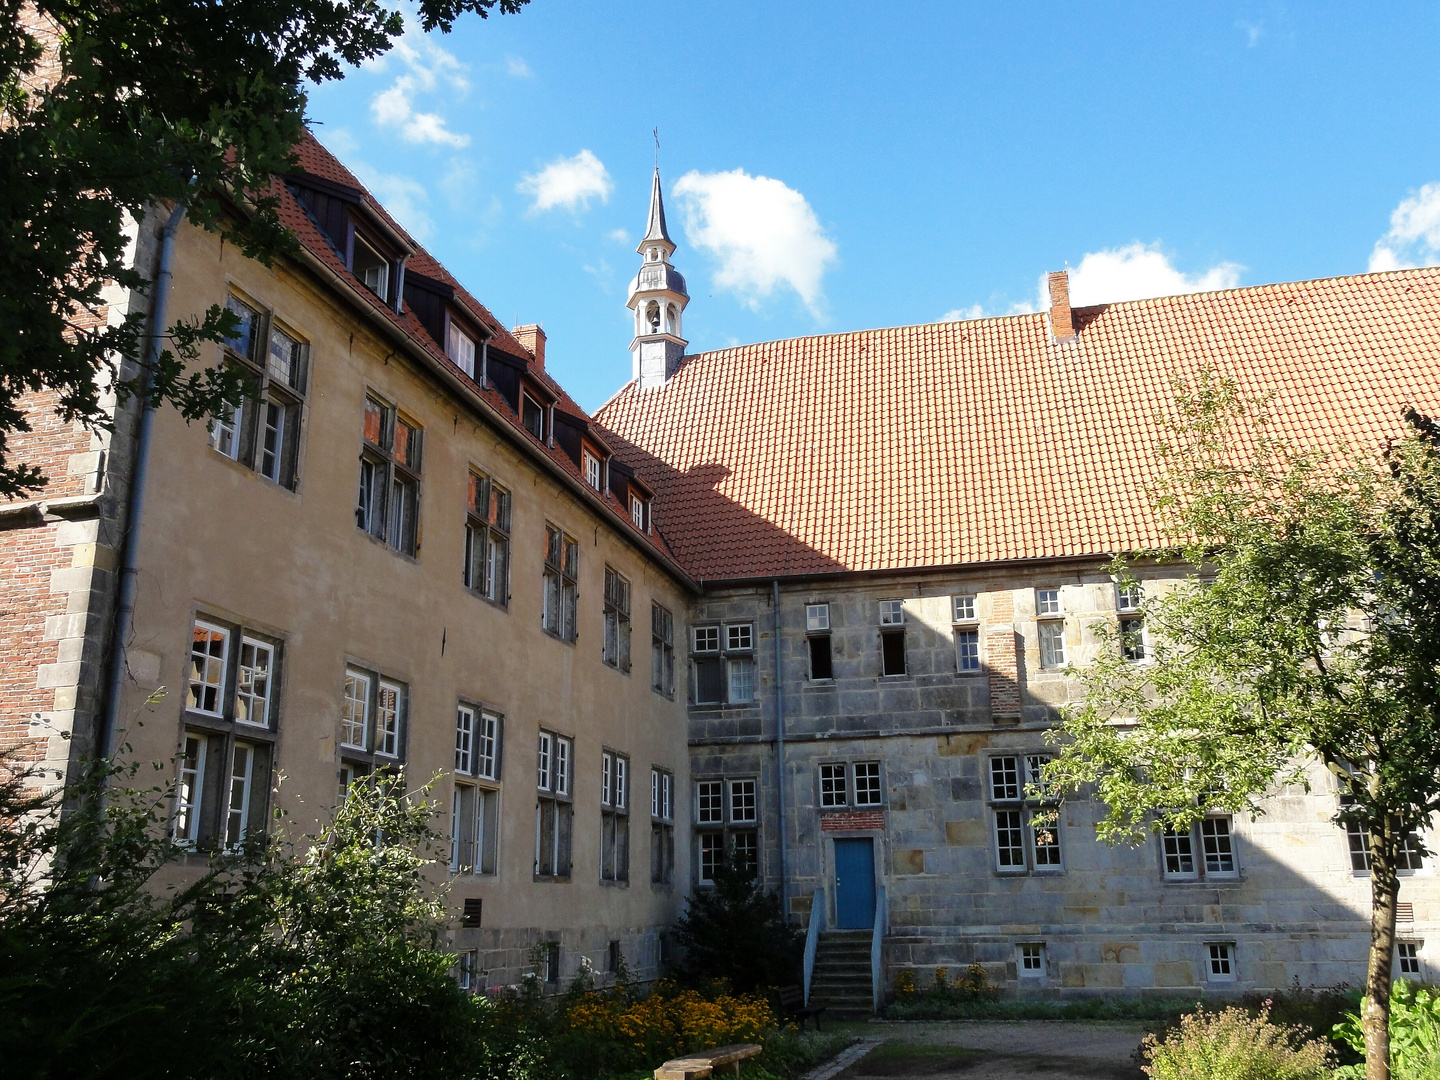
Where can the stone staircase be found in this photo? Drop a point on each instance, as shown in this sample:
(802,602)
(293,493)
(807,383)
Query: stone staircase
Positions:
(841,980)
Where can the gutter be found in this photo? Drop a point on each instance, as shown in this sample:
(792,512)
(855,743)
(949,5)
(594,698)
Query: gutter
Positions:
(36,511)
(780,753)
(129,563)
(487,412)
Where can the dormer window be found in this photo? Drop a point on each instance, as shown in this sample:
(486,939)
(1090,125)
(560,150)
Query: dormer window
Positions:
(532,416)
(460,347)
(637,512)
(372,268)
(592,470)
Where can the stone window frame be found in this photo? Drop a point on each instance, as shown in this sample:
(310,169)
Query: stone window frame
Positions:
(965,620)
(1031,960)
(818,643)
(893,623)
(821,780)
(1191,844)
(476,790)
(1410,958)
(851,778)
(730,830)
(1221,962)
(729,653)
(1049,621)
(1024,806)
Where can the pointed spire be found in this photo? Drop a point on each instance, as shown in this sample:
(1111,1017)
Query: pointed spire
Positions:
(655,228)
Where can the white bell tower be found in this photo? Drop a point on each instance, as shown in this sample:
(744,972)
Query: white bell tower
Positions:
(657,299)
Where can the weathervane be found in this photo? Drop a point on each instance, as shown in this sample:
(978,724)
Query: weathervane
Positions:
(656,132)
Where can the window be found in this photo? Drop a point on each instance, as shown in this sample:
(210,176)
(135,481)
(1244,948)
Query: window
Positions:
(817,629)
(562,591)
(892,637)
(1407,857)
(662,651)
(477,743)
(1030,960)
(1129,596)
(460,347)
(1051,628)
(963,608)
(727,813)
(227,743)
(370,267)
(728,676)
(1047,602)
(867,784)
(1408,955)
(553,812)
(1023,844)
(1206,850)
(389,504)
(834,783)
(614,816)
(637,512)
(592,470)
(550,963)
(662,827)
(372,722)
(475,805)
(532,417)
(1221,957)
(467,970)
(616,650)
(612,957)
(487,539)
(263,432)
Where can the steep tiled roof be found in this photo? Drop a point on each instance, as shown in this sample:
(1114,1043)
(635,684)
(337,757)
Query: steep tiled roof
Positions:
(980,441)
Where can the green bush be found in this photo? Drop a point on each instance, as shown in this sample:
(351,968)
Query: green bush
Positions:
(1233,1045)
(736,931)
(1414,1034)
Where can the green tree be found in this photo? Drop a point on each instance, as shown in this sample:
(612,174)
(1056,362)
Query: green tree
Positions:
(735,930)
(157,101)
(1308,629)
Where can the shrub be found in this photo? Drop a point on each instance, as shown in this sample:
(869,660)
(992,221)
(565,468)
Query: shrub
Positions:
(1233,1045)
(736,931)
(1414,1034)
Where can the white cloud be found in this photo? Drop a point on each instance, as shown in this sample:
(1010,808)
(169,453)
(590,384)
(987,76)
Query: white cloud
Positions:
(1414,236)
(428,68)
(974,311)
(764,234)
(620,236)
(517,68)
(569,183)
(1136,272)
(403,197)
(1253,32)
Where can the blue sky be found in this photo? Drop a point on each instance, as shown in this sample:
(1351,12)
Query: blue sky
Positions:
(837,166)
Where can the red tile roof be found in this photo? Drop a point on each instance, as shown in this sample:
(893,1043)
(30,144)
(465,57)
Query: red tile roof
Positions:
(982,441)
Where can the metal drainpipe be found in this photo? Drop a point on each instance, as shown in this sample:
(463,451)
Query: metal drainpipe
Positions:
(125,598)
(485,362)
(780,753)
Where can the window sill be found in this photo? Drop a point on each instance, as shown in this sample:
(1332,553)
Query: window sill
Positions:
(662,694)
(556,880)
(617,668)
(381,542)
(497,604)
(606,883)
(556,637)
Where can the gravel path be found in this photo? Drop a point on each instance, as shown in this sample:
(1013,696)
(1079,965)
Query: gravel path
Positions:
(1021,1050)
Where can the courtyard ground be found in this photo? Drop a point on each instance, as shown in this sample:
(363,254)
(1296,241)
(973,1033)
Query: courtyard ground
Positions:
(988,1050)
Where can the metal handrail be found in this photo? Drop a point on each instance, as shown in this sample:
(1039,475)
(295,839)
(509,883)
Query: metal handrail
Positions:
(812,936)
(876,935)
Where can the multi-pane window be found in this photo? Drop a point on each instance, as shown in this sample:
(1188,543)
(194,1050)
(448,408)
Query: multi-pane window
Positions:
(723,676)
(467,970)
(817,636)
(487,539)
(460,347)
(389,504)
(475,804)
(592,470)
(1050,628)
(1023,842)
(1408,955)
(372,723)
(1129,603)
(1407,855)
(662,651)
(533,417)
(834,783)
(637,512)
(892,637)
(726,815)
(562,589)
(867,784)
(614,816)
(372,268)
(1206,849)
(553,813)
(842,783)
(662,827)
(616,651)
(963,608)
(1030,960)
(1220,958)
(227,744)
(967,632)
(263,432)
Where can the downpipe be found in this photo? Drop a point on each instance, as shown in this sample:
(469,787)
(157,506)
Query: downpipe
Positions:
(780,754)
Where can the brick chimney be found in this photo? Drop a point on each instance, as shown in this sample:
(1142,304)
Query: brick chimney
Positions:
(1062,323)
(533,338)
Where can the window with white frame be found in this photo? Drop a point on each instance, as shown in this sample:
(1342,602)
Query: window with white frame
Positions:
(1129,604)
(817,637)
(726,818)
(868,791)
(662,650)
(892,637)
(966,628)
(475,806)
(467,970)
(460,347)
(592,470)
(834,783)
(1407,856)
(1407,956)
(1025,840)
(561,584)
(614,816)
(372,268)
(1204,850)
(263,432)
(487,539)
(662,826)
(1030,959)
(532,416)
(723,676)
(637,512)
(372,723)
(553,811)
(228,735)
(1220,961)
(616,649)
(1050,628)
(389,504)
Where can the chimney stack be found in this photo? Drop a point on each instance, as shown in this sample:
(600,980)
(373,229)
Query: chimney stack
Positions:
(533,338)
(1062,323)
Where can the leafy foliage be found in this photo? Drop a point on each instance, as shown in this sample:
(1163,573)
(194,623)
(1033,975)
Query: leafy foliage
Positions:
(735,931)
(1233,1045)
(1414,1034)
(157,101)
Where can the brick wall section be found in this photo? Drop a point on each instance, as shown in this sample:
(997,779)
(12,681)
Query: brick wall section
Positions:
(1001,660)
(65,452)
(30,558)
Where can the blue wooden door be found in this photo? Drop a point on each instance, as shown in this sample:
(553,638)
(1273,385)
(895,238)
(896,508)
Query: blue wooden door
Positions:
(855,884)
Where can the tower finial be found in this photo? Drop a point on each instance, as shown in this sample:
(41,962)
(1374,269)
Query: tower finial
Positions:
(656,132)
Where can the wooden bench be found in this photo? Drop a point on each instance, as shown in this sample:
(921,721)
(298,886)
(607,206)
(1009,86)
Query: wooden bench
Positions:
(700,1066)
(792,1000)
